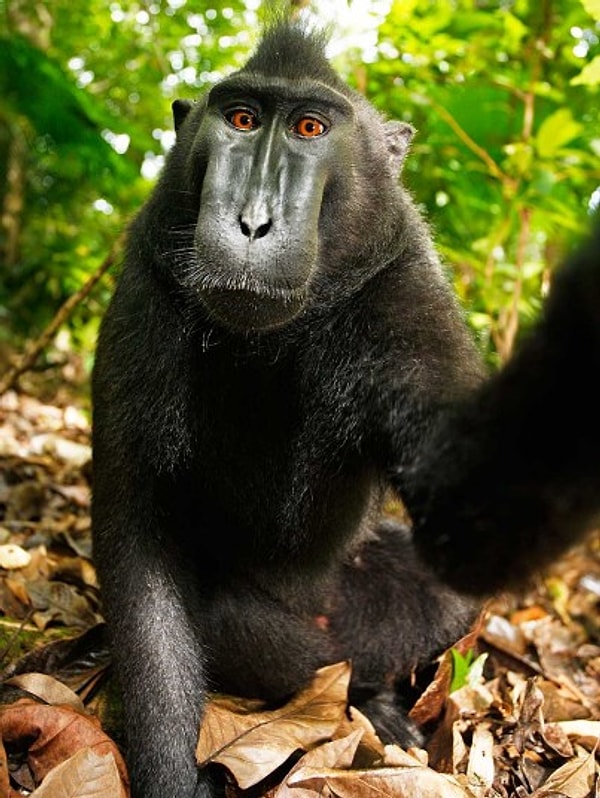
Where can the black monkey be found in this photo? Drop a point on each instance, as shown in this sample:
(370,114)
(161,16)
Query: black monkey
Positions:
(281,349)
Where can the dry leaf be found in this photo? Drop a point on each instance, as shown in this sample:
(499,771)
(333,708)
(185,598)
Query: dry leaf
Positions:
(411,782)
(48,689)
(371,749)
(585,732)
(76,454)
(557,740)
(480,767)
(85,775)
(336,754)
(51,735)
(430,705)
(4,781)
(253,744)
(59,602)
(575,779)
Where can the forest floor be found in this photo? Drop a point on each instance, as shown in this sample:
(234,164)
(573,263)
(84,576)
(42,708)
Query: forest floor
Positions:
(513,711)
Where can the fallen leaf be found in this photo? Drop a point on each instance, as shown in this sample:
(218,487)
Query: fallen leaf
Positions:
(254,744)
(557,740)
(411,782)
(526,614)
(52,734)
(480,767)
(430,704)
(336,754)
(58,601)
(371,749)
(584,732)
(575,779)
(84,775)
(47,689)
(76,454)
(398,757)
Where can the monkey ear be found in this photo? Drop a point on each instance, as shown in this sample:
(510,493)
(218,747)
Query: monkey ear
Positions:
(398,136)
(181,109)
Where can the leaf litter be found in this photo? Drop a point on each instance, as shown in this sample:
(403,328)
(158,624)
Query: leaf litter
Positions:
(523,717)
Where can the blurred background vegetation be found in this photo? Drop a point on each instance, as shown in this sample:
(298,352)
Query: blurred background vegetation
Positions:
(505,96)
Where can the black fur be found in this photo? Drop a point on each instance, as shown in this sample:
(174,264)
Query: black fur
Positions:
(283,346)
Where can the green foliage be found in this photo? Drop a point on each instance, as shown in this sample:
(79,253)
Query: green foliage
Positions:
(460,668)
(35,87)
(466,669)
(85,113)
(503,94)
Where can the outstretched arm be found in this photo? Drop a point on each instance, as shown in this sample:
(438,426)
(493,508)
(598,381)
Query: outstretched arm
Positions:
(511,477)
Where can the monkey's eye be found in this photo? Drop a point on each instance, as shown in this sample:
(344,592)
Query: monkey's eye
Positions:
(309,127)
(242,118)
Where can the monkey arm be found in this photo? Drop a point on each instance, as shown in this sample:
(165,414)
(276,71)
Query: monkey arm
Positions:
(156,650)
(149,599)
(510,478)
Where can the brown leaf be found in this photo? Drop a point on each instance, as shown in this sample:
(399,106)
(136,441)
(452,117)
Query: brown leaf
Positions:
(52,735)
(559,703)
(480,767)
(430,704)
(253,744)
(585,732)
(336,754)
(398,757)
(525,614)
(557,739)
(57,601)
(86,774)
(47,688)
(4,782)
(19,591)
(575,779)
(411,782)
(371,749)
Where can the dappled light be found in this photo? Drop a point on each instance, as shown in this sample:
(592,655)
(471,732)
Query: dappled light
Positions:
(308,336)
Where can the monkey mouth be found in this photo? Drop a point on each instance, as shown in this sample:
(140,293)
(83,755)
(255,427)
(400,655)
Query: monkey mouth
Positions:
(242,310)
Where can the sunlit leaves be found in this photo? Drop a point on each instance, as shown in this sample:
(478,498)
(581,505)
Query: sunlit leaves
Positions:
(504,102)
(589,75)
(592,7)
(74,87)
(503,97)
(555,131)
(34,86)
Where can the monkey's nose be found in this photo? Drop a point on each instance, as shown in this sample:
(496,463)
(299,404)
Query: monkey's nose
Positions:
(255,221)
(255,231)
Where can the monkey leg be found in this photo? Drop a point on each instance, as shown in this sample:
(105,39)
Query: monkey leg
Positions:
(390,617)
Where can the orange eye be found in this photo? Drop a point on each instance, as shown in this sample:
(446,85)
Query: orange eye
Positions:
(309,128)
(242,118)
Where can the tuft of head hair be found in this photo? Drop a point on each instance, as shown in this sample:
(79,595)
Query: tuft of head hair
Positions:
(294,50)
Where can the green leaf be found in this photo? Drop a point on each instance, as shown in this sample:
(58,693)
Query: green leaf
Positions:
(466,669)
(460,668)
(555,131)
(590,74)
(35,86)
(516,31)
(592,7)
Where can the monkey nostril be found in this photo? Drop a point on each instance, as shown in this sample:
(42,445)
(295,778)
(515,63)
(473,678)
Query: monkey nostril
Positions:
(254,231)
(262,229)
(245,229)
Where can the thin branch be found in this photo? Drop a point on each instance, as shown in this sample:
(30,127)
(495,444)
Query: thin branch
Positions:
(32,352)
(493,168)
(505,343)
